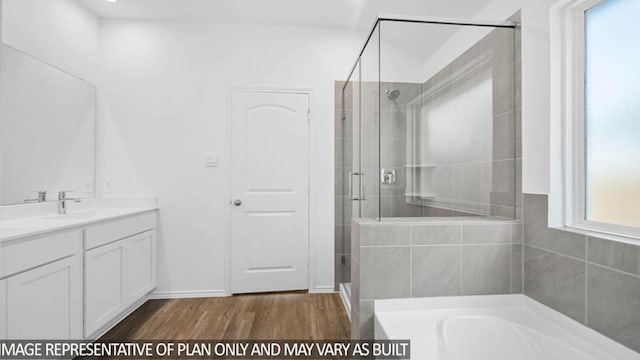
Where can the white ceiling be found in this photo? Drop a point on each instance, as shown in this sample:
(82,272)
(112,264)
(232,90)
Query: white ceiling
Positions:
(326,13)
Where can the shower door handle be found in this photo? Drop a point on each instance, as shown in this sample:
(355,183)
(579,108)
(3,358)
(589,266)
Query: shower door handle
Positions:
(361,187)
(350,176)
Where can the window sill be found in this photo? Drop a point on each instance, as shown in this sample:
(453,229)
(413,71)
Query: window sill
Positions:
(601,234)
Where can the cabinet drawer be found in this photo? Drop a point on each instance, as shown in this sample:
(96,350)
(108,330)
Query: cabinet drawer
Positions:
(101,234)
(37,251)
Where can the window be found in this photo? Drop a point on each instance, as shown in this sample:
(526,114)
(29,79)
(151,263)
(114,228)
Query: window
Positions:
(600,88)
(612,113)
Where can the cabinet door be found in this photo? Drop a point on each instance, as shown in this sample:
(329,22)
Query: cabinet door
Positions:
(141,265)
(105,295)
(3,309)
(46,302)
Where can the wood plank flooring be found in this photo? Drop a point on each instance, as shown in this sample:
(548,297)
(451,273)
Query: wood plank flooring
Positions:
(279,316)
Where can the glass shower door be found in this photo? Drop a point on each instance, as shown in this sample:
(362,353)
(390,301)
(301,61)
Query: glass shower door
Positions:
(369,129)
(349,171)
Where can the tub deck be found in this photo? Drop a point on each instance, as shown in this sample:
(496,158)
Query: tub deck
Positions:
(492,327)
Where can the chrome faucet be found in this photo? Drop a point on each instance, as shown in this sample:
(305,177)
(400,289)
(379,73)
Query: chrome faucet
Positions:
(42,197)
(62,202)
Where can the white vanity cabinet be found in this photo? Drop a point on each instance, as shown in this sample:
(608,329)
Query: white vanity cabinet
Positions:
(120,263)
(42,278)
(77,279)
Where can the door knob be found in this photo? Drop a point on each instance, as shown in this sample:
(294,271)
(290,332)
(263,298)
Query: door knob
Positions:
(237,202)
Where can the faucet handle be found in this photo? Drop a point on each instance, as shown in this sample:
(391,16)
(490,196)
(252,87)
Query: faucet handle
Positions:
(42,197)
(62,194)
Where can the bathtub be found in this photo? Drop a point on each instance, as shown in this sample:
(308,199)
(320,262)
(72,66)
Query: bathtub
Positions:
(491,327)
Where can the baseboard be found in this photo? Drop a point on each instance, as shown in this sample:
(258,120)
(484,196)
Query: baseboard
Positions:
(322,289)
(113,323)
(187,294)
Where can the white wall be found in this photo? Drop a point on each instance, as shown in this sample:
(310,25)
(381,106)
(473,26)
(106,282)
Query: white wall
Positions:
(165,95)
(59,32)
(1,22)
(164,98)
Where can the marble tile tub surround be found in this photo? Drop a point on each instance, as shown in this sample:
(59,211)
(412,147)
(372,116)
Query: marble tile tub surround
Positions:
(593,280)
(436,256)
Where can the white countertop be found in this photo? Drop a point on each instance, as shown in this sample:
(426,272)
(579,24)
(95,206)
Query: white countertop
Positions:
(37,225)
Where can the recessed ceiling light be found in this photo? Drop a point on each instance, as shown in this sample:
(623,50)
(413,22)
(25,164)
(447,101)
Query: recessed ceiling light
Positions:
(112,1)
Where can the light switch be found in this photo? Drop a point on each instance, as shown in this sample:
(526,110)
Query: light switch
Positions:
(211,160)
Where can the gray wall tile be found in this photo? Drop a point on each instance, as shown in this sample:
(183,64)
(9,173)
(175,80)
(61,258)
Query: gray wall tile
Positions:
(384,272)
(517,282)
(435,271)
(338,238)
(503,89)
(503,182)
(614,305)
(501,43)
(337,272)
(621,256)
(486,234)
(435,234)
(517,234)
(518,193)
(537,232)
(486,269)
(504,136)
(366,320)
(384,234)
(555,280)
(465,182)
(355,240)
(339,211)
(355,324)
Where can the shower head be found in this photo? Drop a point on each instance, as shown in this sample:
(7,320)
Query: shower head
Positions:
(393,94)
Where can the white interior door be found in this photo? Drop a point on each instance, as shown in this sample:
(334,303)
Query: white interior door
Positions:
(270,191)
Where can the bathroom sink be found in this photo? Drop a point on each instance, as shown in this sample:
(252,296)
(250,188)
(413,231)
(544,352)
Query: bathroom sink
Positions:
(72,216)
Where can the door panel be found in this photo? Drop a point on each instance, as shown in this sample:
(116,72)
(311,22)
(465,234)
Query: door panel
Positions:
(105,289)
(46,302)
(270,143)
(141,265)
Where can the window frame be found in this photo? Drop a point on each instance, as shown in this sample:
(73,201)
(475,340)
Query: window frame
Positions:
(569,21)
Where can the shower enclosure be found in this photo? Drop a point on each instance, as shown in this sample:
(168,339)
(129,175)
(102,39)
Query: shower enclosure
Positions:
(427,124)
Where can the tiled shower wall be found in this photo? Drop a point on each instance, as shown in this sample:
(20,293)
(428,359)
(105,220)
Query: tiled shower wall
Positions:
(477,154)
(418,257)
(343,165)
(588,278)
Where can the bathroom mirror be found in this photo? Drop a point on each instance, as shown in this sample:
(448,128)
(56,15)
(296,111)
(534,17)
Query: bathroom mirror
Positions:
(47,130)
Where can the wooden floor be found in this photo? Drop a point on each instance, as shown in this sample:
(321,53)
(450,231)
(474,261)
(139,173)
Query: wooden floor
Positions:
(281,316)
